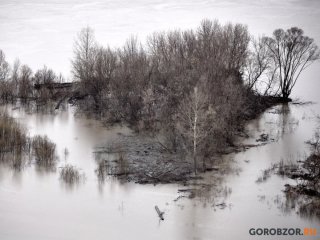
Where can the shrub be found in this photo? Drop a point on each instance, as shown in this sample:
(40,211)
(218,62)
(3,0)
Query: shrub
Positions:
(71,175)
(44,151)
(14,143)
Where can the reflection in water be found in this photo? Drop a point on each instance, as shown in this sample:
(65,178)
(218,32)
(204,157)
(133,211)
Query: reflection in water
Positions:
(71,176)
(201,209)
(17,178)
(125,210)
(287,122)
(281,123)
(306,207)
(43,171)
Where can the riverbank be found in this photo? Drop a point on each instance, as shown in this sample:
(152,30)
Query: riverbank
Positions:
(144,158)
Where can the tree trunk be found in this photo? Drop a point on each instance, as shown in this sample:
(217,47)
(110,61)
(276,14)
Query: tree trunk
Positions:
(195,163)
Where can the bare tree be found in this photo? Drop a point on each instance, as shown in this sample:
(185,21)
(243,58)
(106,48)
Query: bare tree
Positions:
(105,63)
(44,76)
(25,83)
(4,67)
(5,84)
(257,64)
(84,49)
(237,39)
(195,119)
(43,83)
(292,52)
(93,66)
(83,61)
(15,73)
(130,81)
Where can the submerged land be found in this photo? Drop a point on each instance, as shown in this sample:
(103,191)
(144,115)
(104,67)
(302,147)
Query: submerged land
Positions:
(187,97)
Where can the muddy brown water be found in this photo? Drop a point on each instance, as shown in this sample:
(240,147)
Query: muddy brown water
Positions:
(36,205)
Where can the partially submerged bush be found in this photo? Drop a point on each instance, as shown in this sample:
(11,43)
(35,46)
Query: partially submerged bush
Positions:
(44,151)
(315,143)
(71,175)
(14,143)
(305,195)
(102,170)
(12,137)
(266,174)
(16,146)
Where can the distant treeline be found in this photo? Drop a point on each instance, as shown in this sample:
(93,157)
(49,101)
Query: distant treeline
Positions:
(195,87)
(19,82)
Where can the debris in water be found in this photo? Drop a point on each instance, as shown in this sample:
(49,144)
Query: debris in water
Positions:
(160,214)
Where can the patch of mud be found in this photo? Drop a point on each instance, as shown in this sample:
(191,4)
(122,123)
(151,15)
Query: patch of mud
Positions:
(142,160)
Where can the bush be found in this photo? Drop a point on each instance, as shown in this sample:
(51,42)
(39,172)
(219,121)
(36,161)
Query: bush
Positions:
(14,143)
(71,175)
(44,151)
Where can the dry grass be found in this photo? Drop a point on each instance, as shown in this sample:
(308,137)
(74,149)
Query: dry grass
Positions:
(71,175)
(16,146)
(44,151)
(14,143)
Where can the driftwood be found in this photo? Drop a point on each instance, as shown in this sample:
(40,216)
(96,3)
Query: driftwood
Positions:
(160,214)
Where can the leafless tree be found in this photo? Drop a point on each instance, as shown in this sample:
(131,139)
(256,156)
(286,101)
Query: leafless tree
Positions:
(84,49)
(105,63)
(237,38)
(257,64)
(25,83)
(15,73)
(292,52)
(5,84)
(43,81)
(44,76)
(131,79)
(195,118)
(93,66)
(84,57)
(4,67)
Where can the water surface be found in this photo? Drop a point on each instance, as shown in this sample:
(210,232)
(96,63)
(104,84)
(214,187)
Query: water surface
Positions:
(36,205)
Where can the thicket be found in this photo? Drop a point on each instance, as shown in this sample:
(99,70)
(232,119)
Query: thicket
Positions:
(187,86)
(18,82)
(194,87)
(44,151)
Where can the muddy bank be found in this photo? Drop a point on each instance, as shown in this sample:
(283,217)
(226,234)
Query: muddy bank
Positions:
(145,160)
(141,159)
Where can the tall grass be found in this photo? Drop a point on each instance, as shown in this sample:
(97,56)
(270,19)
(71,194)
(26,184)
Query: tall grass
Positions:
(71,175)
(44,151)
(14,143)
(16,146)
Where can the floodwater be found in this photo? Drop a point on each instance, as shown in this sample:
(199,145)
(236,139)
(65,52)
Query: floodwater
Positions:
(35,204)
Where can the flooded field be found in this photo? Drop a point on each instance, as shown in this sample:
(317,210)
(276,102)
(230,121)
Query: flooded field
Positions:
(36,204)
